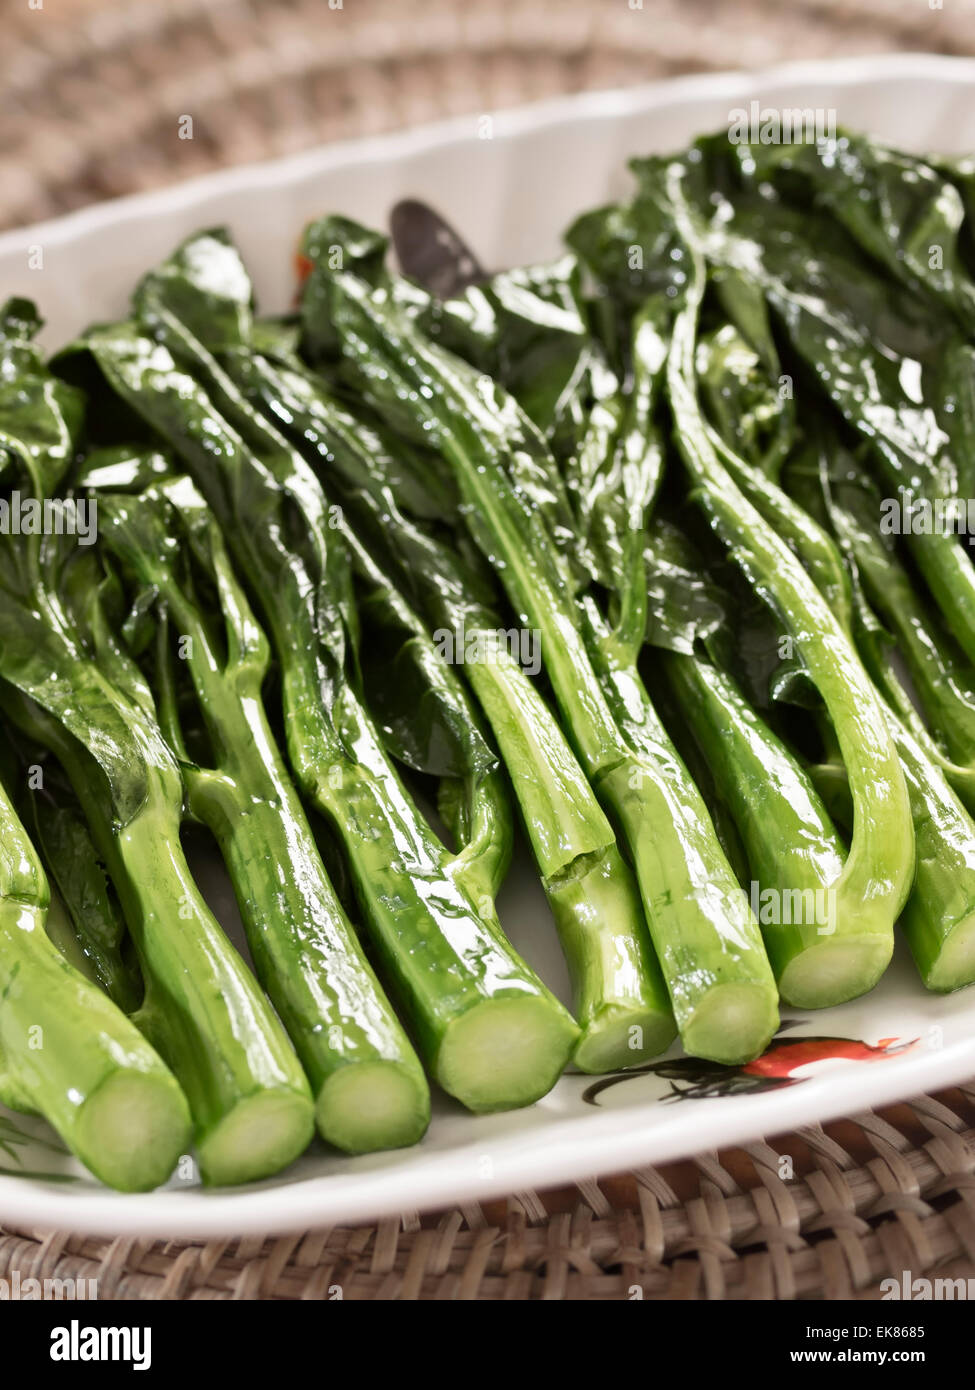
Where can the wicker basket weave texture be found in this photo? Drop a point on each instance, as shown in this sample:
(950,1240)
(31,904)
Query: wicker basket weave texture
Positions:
(94,91)
(825,1213)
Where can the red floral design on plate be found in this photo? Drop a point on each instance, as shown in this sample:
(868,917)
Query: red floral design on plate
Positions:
(692,1078)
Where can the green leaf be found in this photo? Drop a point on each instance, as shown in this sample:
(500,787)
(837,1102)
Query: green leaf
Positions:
(40,417)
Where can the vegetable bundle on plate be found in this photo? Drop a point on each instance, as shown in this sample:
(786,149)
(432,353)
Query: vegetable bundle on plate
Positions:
(642,555)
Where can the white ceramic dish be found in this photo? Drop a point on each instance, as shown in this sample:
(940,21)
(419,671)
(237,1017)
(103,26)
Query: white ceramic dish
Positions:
(509,196)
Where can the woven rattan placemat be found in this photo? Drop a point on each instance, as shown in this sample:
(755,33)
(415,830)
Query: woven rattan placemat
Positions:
(92,91)
(827,1212)
(92,96)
